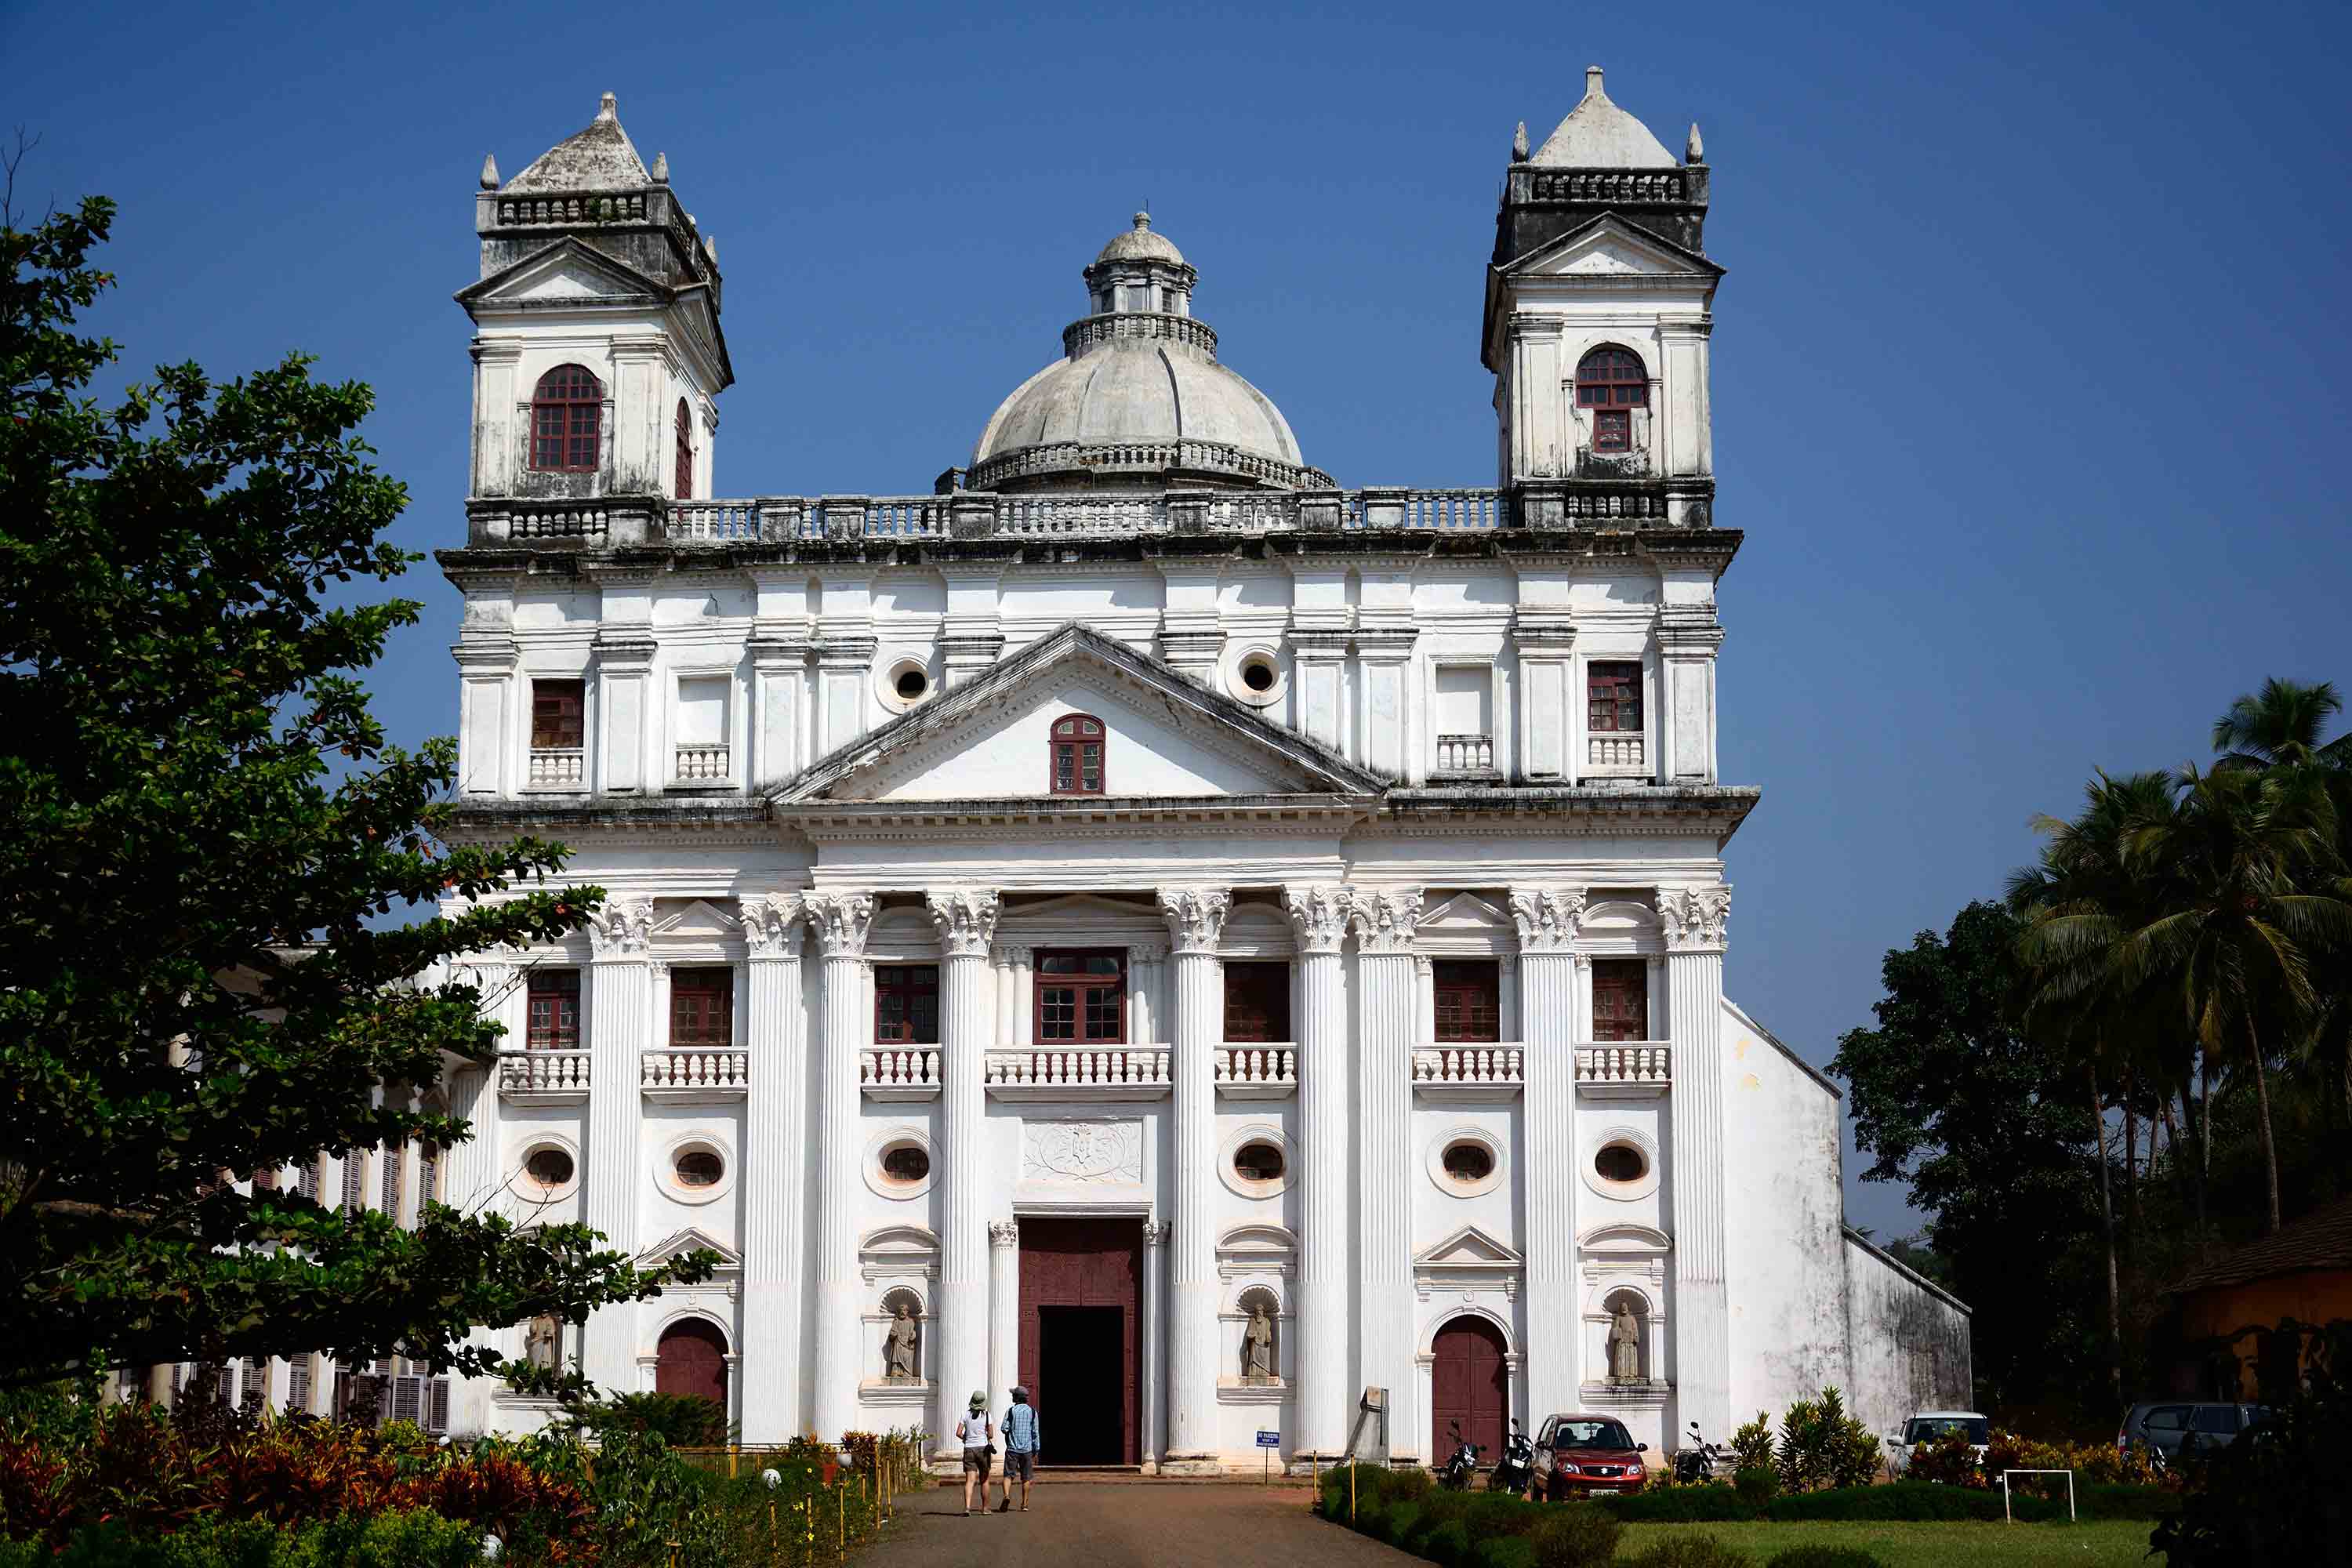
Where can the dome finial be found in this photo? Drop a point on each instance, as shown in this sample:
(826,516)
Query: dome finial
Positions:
(1592,82)
(489,172)
(1519,143)
(661,168)
(1143,218)
(608,108)
(1693,150)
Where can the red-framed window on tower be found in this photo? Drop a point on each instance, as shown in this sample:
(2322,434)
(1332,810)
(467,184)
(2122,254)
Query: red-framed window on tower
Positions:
(1621,999)
(1082,997)
(552,1019)
(701,1007)
(558,714)
(1257,1002)
(683,485)
(907,1004)
(1075,757)
(567,412)
(1469,997)
(1613,698)
(1613,384)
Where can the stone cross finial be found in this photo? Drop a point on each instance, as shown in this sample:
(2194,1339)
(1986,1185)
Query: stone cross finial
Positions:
(1592,83)
(489,172)
(1519,143)
(608,108)
(661,168)
(1693,150)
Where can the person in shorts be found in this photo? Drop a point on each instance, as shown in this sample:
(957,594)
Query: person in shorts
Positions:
(978,1435)
(1020,1449)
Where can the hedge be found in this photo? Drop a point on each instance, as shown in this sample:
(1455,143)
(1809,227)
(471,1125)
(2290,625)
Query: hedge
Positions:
(416,1539)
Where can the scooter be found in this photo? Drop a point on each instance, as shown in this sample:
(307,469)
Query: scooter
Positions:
(1516,1468)
(1458,1469)
(1699,1462)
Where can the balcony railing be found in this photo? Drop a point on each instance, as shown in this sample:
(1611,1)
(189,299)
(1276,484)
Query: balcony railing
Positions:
(1469,1066)
(558,766)
(1616,752)
(1256,1071)
(1630,1067)
(698,763)
(900,1072)
(1076,1072)
(548,1074)
(1465,754)
(696,1072)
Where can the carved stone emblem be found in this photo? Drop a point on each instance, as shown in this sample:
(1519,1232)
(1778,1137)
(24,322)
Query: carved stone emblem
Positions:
(1083,1153)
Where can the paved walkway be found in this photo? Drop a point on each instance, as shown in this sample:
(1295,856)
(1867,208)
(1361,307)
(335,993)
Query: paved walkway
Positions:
(1111,1524)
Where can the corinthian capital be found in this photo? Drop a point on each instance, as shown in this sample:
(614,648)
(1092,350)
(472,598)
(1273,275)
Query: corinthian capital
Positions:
(966,919)
(1384,918)
(841,921)
(1694,918)
(1004,1232)
(1195,916)
(771,924)
(623,928)
(1547,917)
(1318,913)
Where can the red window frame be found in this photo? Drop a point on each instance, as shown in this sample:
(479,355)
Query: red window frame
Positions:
(552,1014)
(682,479)
(1082,997)
(1613,381)
(1621,999)
(558,714)
(1077,749)
(907,1004)
(567,416)
(1257,1003)
(1468,992)
(1613,698)
(702,1007)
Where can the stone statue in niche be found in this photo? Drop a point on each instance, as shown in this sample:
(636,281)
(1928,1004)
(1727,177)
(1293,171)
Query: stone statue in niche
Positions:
(1257,1345)
(1625,1344)
(542,1341)
(899,1365)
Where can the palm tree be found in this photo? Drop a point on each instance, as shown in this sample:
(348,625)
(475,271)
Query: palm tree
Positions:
(2277,727)
(2244,879)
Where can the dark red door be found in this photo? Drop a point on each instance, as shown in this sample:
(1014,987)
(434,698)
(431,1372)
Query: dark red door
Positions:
(1469,1387)
(1080,1312)
(693,1360)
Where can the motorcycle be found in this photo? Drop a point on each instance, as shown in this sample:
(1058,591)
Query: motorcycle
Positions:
(1516,1468)
(1455,1475)
(1699,1462)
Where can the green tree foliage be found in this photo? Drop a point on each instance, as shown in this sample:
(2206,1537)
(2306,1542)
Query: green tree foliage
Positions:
(1989,1128)
(204,821)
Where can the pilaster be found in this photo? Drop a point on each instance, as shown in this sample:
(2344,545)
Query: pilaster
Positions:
(1384,919)
(620,1015)
(1695,920)
(625,710)
(1318,670)
(1689,638)
(778,699)
(841,921)
(1318,916)
(1548,918)
(486,696)
(1153,1334)
(1546,639)
(966,921)
(1196,922)
(1004,1313)
(775,1130)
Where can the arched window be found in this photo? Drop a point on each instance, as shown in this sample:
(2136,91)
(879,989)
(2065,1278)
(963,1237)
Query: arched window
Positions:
(683,489)
(1613,384)
(567,410)
(1077,754)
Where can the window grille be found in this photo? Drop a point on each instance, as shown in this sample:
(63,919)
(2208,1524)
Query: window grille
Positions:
(354,1179)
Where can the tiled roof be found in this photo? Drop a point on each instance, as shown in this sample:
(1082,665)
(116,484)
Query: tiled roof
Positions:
(2321,1239)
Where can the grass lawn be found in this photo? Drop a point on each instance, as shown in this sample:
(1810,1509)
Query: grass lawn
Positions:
(2103,1542)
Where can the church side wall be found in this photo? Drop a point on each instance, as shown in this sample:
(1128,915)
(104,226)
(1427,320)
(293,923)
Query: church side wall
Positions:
(1908,1341)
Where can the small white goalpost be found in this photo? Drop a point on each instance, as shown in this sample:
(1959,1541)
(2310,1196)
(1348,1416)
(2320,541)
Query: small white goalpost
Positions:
(2005,1490)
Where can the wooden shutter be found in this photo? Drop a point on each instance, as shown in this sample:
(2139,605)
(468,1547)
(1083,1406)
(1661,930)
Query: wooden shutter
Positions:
(1257,1002)
(1468,994)
(558,714)
(1621,999)
(702,1007)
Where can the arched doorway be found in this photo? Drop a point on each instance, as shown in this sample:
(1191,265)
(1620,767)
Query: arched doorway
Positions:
(1469,1386)
(692,1358)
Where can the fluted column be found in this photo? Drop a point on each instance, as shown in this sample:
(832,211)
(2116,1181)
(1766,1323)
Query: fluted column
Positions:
(775,1131)
(473,1177)
(1004,1311)
(620,1021)
(1196,921)
(1152,1334)
(1385,921)
(1694,919)
(1550,1184)
(966,919)
(1318,915)
(841,921)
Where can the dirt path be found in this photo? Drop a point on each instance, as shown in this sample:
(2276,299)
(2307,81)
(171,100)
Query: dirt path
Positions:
(1097,1524)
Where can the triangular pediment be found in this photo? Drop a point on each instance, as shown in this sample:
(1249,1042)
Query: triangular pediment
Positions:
(1468,1247)
(698,919)
(1464,912)
(1164,737)
(565,272)
(692,1240)
(1608,246)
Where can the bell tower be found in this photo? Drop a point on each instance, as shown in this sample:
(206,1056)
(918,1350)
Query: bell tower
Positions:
(598,355)
(1598,301)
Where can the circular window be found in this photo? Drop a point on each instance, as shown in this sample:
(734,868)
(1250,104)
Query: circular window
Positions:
(695,1169)
(901,1163)
(1467,1164)
(1620,1163)
(549,1168)
(1254,676)
(1254,1162)
(1258,675)
(1258,1163)
(699,1168)
(902,683)
(1465,1161)
(911,684)
(906,1165)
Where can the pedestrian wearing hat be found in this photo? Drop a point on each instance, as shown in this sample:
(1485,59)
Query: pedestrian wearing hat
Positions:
(1020,1448)
(978,1435)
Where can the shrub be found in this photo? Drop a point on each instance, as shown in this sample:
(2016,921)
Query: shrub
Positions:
(1756,1486)
(1752,1444)
(1711,1504)
(1575,1535)
(1692,1552)
(1407,1484)
(1448,1545)
(1493,1514)
(2278,1496)
(1496,1552)
(1397,1525)
(681,1420)
(1823,1557)
(1912,1501)
(412,1539)
(1822,1445)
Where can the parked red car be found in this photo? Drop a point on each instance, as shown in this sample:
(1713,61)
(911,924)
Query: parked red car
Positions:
(1583,1456)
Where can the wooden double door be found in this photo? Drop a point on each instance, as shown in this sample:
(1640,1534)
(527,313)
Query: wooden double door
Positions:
(1469,1386)
(1081,1338)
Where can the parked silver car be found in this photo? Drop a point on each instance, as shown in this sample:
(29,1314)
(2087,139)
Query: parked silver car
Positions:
(1933,1425)
(2166,1424)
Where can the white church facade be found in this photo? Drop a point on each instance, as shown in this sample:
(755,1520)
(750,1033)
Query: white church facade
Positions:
(1143,920)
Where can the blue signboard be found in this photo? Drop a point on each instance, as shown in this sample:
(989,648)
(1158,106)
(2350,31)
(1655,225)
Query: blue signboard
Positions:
(1269,1439)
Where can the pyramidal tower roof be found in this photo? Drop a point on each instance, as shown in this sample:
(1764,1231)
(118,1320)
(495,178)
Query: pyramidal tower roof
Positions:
(1597,135)
(600,158)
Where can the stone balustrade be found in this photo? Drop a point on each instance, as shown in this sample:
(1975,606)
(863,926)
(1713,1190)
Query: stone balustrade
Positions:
(559,767)
(1634,1067)
(696,1071)
(1465,754)
(700,763)
(1086,1072)
(1469,1067)
(900,1072)
(1620,752)
(1256,1071)
(553,1075)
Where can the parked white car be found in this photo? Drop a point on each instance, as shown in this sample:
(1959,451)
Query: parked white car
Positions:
(1928,1427)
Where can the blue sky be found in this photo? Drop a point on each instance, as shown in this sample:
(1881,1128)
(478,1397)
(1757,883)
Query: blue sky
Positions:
(2023,365)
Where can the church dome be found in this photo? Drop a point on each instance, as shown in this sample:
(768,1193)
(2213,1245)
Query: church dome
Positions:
(1138,398)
